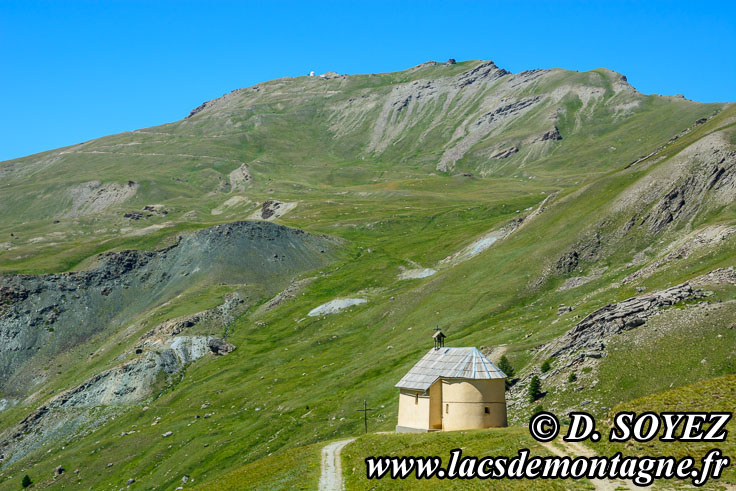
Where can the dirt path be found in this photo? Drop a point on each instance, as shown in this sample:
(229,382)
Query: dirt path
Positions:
(496,353)
(331,478)
(576,449)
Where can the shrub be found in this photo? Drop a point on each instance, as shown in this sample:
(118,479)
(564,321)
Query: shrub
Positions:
(572,377)
(535,389)
(26,481)
(547,365)
(505,365)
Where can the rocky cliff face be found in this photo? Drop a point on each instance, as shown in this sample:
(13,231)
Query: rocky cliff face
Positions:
(711,183)
(589,336)
(694,183)
(84,407)
(41,316)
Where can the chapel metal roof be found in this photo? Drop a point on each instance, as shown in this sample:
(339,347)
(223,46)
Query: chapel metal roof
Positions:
(449,363)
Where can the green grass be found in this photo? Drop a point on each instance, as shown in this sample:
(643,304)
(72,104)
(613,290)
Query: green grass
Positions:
(295,468)
(716,394)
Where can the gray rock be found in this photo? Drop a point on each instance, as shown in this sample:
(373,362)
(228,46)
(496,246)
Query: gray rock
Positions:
(220,347)
(564,309)
(612,319)
(553,134)
(505,153)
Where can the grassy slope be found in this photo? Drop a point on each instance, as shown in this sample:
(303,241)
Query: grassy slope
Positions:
(716,394)
(296,380)
(295,468)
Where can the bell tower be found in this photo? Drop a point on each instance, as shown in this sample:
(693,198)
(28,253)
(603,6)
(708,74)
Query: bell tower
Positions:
(439,338)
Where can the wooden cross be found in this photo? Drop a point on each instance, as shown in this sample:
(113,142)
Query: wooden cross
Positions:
(365,414)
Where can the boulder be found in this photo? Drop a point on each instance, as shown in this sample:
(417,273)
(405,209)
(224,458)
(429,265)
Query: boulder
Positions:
(564,309)
(553,134)
(220,347)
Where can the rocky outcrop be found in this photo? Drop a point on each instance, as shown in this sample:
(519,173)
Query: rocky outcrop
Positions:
(553,134)
(707,237)
(127,383)
(94,196)
(589,336)
(133,215)
(148,212)
(329,75)
(158,210)
(10,295)
(506,152)
(220,347)
(269,209)
(289,293)
(431,103)
(587,340)
(483,126)
(215,319)
(587,249)
(42,315)
(199,109)
(272,209)
(485,72)
(720,275)
(714,178)
(698,179)
(161,353)
(526,77)
(567,263)
(240,178)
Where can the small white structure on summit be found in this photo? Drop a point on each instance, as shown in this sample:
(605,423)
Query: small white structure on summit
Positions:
(451,389)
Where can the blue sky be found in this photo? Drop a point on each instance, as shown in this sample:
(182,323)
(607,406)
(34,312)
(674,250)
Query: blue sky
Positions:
(76,70)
